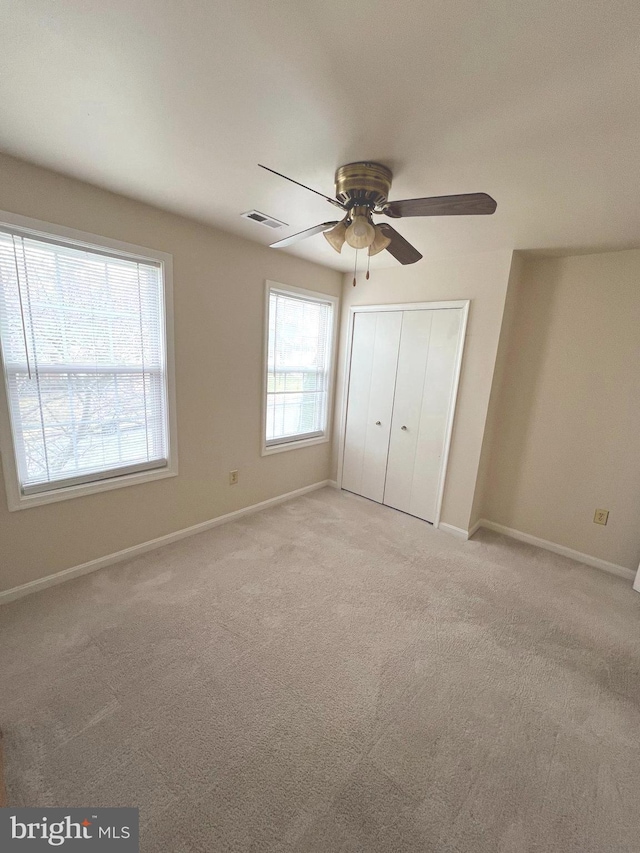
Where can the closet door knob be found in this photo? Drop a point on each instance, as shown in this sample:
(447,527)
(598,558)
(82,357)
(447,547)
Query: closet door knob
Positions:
(403,427)
(378,423)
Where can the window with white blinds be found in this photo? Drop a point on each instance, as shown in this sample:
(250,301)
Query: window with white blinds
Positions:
(84,353)
(299,349)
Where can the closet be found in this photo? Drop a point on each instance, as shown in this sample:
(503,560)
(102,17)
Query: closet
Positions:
(402,382)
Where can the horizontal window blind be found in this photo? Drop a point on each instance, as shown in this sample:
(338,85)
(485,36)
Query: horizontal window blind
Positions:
(83,345)
(298,358)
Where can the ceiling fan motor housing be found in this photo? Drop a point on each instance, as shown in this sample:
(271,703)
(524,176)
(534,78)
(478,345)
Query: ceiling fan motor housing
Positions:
(363,184)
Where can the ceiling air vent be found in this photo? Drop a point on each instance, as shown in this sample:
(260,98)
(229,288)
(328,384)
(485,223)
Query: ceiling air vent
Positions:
(263,219)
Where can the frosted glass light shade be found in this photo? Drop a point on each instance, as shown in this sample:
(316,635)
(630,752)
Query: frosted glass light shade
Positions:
(360,233)
(380,242)
(335,237)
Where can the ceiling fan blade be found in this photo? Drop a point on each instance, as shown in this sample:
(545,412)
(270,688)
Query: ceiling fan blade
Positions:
(468,204)
(302,235)
(333,201)
(400,248)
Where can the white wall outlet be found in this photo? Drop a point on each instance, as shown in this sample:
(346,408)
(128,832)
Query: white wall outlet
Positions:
(233,478)
(601,516)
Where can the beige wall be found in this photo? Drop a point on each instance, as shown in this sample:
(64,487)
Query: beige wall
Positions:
(483,278)
(501,368)
(218,303)
(567,413)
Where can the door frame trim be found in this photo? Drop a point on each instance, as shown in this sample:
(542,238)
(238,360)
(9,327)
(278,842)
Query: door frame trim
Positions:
(464,305)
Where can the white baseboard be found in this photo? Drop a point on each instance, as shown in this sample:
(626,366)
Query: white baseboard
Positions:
(333,484)
(596,562)
(475,528)
(135,551)
(458,532)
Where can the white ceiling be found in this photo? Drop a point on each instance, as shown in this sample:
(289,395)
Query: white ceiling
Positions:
(174,102)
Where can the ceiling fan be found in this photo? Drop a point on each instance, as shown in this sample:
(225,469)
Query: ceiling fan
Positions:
(362,189)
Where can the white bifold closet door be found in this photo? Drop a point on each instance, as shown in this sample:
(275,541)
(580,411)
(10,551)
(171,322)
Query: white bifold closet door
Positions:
(374,358)
(424,388)
(403,370)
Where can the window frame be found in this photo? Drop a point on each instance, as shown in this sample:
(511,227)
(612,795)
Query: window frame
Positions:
(16,500)
(282,445)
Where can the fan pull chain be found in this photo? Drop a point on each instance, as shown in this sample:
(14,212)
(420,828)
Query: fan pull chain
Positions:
(368,262)
(355,268)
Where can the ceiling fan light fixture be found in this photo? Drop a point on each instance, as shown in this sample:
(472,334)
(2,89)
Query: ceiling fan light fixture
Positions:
(336,236)
(361,233)
(380,242)
(362,188)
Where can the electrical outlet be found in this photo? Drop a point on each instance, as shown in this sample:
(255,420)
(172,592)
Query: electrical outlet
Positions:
(233,478)
(601,516)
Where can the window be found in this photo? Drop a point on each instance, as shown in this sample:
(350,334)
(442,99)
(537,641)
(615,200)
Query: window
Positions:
(299,366)
(84,350)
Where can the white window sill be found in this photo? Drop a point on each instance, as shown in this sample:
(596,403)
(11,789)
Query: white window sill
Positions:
(18,501)
(294,445)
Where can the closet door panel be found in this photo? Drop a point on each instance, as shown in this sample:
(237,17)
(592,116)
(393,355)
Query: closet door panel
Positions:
(405,424)
(434,414)
(374,358)
(364,334)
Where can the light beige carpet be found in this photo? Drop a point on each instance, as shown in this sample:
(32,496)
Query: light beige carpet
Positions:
(334,676)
